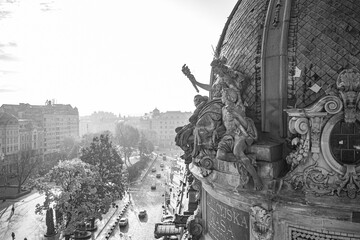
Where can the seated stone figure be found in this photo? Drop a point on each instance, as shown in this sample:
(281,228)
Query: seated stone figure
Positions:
(184,135)
(240,133)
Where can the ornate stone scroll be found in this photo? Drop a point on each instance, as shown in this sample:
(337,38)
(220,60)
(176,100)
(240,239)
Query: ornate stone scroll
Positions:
(314,167)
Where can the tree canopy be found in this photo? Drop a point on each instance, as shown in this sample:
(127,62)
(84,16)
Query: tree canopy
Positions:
(27,163)
(145,147)
(76,195)
(103,155)
(128,138)
(84,188)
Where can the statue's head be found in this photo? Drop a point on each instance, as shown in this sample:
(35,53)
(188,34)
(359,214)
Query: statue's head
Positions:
(219,66)
(199,99)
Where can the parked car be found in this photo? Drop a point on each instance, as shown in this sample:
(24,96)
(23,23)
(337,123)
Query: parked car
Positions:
(167,218)
(123,222)
(153,186)
(153,169)
(142,214)
(162,165)
(158,175)
(164,158)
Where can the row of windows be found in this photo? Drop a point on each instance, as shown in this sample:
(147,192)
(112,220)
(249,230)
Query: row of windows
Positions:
(75,119)
(9,149)
(10,132)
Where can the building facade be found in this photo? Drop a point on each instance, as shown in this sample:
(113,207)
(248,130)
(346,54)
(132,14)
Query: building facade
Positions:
(164,124)
(40,129)
(159,127)
(98,122)
(9,141)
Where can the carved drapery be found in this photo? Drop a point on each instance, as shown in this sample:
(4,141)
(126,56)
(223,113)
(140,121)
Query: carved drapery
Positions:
(314,168)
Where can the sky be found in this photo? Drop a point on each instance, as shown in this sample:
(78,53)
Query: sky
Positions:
(116,56)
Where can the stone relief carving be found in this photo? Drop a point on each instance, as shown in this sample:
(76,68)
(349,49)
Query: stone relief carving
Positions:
(302,143)
(348,85)
(261,223)
(314,168)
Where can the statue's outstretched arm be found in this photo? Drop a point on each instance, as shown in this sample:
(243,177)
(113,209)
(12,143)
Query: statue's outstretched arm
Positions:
(185,69)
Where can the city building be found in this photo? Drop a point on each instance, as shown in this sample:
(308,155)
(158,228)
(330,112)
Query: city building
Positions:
(275,151)
(164,125)
(9,141)
(98,122)
(161,126)
(50,123)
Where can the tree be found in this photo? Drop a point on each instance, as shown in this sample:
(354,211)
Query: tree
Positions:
(78,194)
(26,165)
(103,155)
(128,138)
(69,148)
(50,223)
(145,146)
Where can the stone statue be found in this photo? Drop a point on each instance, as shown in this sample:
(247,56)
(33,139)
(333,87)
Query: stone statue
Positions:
(240,133)
(184,135)
(221,129)
(226,77)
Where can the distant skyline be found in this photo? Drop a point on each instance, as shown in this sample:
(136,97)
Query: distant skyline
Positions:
(117,56)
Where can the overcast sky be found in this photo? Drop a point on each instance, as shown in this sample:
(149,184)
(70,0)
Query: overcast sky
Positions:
(119,56)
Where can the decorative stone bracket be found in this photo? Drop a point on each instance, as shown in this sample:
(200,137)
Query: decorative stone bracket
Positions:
(314,168)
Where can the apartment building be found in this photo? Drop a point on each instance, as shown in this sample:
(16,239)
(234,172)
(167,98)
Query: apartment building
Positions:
(9,141)
(52,123)
(164,125)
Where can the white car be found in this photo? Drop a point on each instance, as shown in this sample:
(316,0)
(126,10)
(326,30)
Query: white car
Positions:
(123,222)
(168,218)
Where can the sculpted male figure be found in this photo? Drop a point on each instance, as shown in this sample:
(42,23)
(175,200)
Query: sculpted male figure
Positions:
(184,135)
(240,133)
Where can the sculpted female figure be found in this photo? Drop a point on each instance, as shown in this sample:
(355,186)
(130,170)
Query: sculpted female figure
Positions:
(225,77)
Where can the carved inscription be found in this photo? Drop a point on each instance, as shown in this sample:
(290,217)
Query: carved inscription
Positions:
(225,222)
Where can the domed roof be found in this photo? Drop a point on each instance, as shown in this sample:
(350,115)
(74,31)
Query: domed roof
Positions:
(291,51)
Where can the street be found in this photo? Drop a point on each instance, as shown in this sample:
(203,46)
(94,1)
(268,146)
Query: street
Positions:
(25,223)
(142,197)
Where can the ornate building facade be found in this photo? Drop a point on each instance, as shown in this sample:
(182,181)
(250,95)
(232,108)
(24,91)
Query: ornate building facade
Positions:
(274,151)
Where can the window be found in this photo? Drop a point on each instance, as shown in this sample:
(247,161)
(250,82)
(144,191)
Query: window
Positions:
(345,142)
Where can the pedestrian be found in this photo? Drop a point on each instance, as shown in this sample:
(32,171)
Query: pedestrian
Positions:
(13,235)
(25,238)
(13,209)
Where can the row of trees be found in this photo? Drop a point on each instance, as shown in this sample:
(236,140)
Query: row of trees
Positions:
(30,164)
